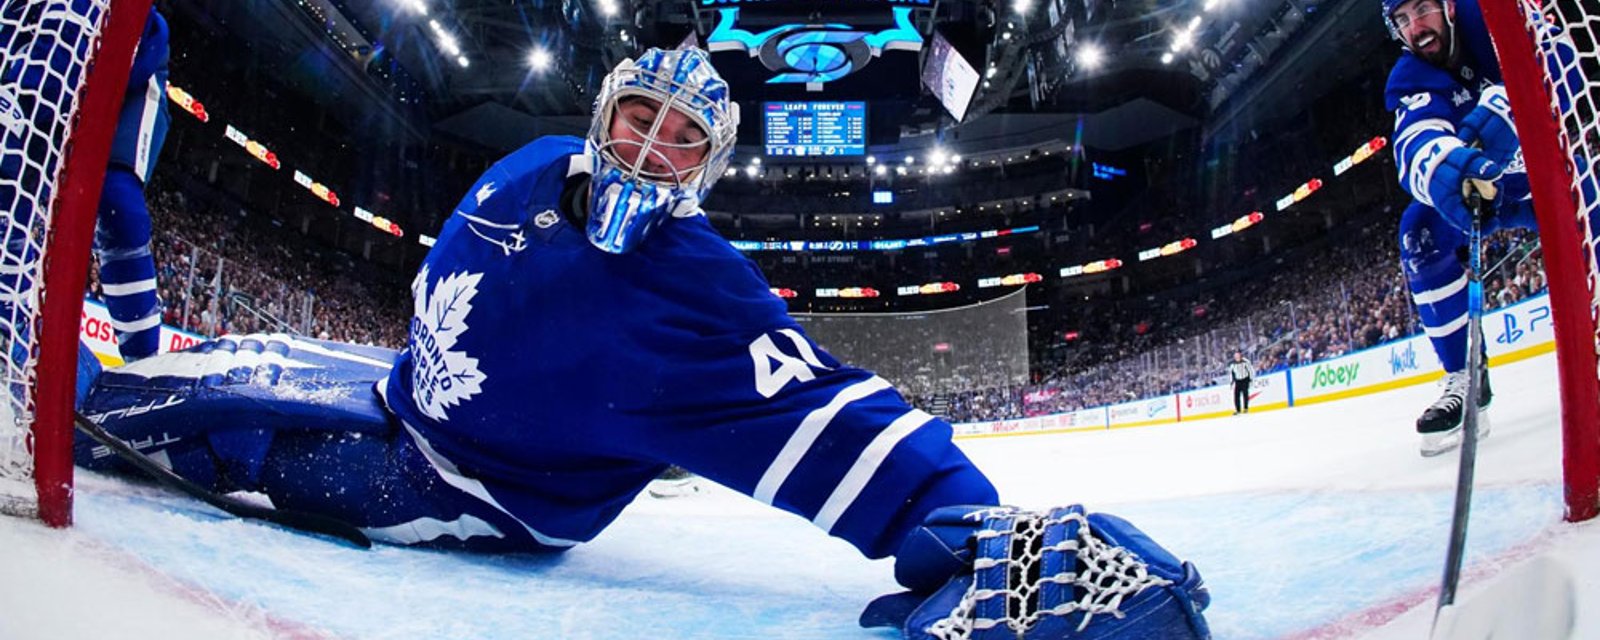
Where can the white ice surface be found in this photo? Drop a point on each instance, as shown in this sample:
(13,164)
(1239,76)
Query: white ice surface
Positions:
(1314,522)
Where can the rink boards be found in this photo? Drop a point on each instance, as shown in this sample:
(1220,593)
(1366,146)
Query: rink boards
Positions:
(1513,333)
(94,329)
(1517,332)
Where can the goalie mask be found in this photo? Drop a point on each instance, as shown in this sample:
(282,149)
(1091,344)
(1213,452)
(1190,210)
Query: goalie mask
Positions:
(663,133)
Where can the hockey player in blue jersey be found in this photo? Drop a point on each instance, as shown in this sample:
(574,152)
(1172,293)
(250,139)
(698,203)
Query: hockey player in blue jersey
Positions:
(122,236)
(578,327)
(1452,126)
(122,232)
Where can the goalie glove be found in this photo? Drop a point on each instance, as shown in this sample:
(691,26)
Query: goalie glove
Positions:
(999,572)
(1440,178)
(1489,127)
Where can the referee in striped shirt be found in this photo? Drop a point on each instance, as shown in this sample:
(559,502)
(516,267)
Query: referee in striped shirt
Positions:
(1241,371)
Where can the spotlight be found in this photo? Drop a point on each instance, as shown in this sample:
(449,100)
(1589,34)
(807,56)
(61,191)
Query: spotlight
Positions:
(539,59)
(1090,56)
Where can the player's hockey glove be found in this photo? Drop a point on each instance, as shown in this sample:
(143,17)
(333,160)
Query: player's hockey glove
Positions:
(1490,128)
(999,572)
(1441,179)
(1513,199)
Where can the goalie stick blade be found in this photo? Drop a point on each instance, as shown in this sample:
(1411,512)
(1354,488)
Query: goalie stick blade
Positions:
(1535,601)
(297,520)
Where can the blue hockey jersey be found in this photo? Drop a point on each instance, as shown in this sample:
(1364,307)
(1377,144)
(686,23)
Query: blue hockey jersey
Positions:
(1429,102)
(554,381)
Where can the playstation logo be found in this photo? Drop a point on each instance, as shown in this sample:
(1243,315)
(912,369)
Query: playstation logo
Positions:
(813,53)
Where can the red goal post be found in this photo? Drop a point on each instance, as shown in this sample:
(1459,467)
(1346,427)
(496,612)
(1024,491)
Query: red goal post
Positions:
(1551,64)
(63,71)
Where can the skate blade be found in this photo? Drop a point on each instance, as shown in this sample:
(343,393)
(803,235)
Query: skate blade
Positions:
(1454,441)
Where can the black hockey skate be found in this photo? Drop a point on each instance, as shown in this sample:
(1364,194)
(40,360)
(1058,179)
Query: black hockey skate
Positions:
(1440,424)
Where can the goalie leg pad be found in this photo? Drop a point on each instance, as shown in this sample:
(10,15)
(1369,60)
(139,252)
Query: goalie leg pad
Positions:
(230,396)
(386,486)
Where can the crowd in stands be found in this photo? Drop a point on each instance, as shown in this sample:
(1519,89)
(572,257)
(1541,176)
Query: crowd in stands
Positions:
(1343,298)
(218,272)
(222,270)
(225,272)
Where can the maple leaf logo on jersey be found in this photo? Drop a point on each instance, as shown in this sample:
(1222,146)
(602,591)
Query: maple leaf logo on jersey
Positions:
(441,377)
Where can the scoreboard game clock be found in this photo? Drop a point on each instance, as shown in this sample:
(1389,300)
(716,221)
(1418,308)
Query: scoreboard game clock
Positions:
(814,129)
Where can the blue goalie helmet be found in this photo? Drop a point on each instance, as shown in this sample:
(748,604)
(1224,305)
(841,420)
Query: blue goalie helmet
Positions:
(663,132)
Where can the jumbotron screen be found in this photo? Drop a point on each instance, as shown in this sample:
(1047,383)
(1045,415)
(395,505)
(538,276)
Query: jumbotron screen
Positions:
(815,128)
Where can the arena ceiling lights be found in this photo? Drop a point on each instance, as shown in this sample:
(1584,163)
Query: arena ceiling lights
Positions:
(447,42)
(1090,56)
(443,38)
(1183,39)
(539,59)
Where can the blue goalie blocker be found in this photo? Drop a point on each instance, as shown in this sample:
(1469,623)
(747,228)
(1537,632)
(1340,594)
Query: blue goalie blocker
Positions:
(211,411)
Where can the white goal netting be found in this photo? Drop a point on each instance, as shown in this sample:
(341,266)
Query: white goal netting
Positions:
(977,346)
(45,48)
(1571,56)
(1550,62)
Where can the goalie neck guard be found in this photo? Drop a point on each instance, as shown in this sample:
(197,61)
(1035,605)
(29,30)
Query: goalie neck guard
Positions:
(636,185)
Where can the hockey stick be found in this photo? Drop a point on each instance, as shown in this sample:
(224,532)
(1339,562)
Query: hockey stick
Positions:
(298,520)
(1479,193)
(1534,601)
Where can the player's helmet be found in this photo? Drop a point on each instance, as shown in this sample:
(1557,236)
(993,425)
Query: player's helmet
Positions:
(628,200)
(1388,18)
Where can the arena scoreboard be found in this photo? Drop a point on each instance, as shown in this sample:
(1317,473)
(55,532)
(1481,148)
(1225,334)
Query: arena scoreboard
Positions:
(812,129)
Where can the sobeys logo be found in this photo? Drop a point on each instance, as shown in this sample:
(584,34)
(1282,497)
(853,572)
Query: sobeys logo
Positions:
(1331,376)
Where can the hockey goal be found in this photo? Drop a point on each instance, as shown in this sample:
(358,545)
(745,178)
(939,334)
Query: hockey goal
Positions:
(63,70)
(1551,64)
